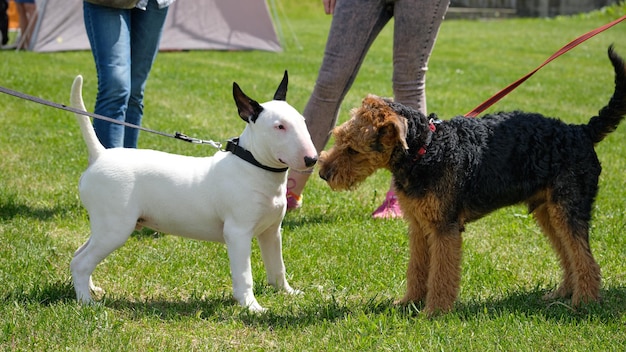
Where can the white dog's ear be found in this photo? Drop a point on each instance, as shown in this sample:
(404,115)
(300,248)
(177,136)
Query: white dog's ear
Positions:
(248,109)
(281,92)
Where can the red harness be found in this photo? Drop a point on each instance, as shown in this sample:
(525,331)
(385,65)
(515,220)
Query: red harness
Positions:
(422,150)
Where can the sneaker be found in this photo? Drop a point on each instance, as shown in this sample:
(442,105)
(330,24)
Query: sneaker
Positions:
(294,201)
(390,209)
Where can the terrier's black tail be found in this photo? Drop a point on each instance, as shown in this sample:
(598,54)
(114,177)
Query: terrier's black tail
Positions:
(612,114)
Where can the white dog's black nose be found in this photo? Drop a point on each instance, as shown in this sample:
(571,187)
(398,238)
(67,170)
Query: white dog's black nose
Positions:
(309,162)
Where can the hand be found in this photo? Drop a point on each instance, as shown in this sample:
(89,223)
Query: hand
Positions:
(329,6)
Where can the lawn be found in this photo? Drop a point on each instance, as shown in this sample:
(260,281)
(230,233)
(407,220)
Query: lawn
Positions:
(168,293)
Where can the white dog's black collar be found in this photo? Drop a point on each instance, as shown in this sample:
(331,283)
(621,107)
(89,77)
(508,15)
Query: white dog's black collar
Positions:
(233,146)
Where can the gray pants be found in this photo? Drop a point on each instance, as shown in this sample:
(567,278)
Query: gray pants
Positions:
(355,25)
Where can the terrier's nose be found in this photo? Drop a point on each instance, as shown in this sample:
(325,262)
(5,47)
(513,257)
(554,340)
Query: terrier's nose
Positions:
(323,176)
(309,162)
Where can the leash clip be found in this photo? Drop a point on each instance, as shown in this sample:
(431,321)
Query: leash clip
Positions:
(186,138)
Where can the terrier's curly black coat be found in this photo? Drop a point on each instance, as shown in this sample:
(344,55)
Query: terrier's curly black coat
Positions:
(448,173)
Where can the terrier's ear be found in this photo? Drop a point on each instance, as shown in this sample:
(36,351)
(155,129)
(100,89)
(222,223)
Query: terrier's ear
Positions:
(389,134)
(400,125)
(248,109)
(281,92)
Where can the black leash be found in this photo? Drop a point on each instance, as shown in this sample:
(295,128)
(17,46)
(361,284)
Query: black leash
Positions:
(176,135)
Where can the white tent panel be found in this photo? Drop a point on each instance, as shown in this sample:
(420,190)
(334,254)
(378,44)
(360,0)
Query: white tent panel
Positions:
(227,25)
(190,25)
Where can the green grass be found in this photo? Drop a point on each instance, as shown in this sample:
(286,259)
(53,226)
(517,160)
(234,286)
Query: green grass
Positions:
(168,293)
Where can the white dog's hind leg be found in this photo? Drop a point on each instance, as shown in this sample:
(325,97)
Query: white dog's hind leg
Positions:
(89,255)
(270,243)
(81,274)
(82,292)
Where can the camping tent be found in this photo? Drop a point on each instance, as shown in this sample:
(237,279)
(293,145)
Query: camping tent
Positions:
(190,25)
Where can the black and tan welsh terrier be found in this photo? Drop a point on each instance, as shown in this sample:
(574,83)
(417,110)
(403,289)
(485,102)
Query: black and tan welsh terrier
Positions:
(448,173)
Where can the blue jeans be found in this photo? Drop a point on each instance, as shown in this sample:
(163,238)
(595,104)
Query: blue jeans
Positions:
(124,44)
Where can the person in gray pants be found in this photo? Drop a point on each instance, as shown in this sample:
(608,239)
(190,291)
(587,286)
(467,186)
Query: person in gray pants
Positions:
(355,26)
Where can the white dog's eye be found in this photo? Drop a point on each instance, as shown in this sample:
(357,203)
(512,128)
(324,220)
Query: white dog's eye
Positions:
(280,127)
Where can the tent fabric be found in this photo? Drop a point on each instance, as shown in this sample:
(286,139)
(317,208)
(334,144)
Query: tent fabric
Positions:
(190,25)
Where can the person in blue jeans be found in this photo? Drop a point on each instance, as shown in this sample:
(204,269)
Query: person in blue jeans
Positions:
(124,44)
(27,14)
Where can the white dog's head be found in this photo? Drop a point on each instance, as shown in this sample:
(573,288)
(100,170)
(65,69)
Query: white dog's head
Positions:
(276,133)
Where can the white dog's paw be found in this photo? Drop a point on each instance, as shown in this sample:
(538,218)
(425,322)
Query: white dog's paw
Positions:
(85,300)
(250,302)
(284,286)
(293,291)
(95,289)
(255,307)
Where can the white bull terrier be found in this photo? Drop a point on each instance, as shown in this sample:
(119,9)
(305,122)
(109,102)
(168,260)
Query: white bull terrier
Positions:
(232,197)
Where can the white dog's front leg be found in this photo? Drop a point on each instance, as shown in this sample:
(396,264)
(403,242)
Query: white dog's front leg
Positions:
(239,249)
(270,243)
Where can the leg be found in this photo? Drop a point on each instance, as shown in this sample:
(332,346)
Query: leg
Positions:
(82,290)
(566,287)
(444,277)
(89,255)
(145,34)
(419,260)
(416,27)
(238,243)
(295,185)
(111,55)
(27,13)
(573,235)
(270,244)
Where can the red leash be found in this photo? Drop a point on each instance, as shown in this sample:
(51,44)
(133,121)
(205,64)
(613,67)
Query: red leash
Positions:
(482,107)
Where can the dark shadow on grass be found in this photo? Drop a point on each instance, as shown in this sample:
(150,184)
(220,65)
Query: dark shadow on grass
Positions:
(11,208)
(612,306)
(531,303)
(296,220)
(222,307)
(44,294)
(147,234)
(201,308)
(292,221)
(523,303)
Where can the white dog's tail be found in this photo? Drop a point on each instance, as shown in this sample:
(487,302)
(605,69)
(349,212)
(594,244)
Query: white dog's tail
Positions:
(94,147)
